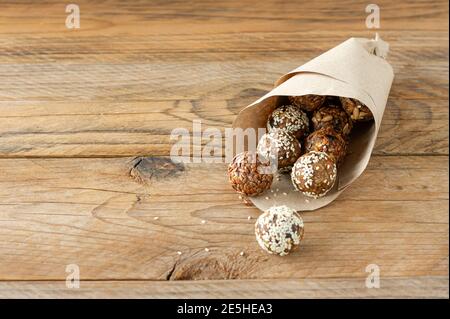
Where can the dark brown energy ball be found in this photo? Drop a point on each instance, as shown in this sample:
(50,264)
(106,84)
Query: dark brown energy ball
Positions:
(248,175)
(309,102)
(334,117)
(280,146)
(279,230)
(328,141)
(314,174)
(356,110)
(289,118)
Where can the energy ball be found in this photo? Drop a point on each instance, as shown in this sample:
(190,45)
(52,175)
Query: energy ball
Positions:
(309,102)
(328,141)
(248,175)
(334,117)
(314,174)
(281,146)
(289,118)
(356,110)
(279,230)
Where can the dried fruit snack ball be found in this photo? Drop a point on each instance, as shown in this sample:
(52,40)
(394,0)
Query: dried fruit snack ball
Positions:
(331,116)
(279,230)
(289,118)
(356,110)
(328,141)
(308,103)
(281,146)
(314,174)
(247,174)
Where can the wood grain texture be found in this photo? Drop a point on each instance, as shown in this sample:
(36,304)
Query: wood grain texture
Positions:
(79,107)
(100,217)
(417,287)
(120,84)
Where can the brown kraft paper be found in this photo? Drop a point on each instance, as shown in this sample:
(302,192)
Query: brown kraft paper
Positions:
(356,69)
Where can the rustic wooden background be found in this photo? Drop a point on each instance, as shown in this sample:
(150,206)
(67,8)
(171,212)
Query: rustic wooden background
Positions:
(85,126)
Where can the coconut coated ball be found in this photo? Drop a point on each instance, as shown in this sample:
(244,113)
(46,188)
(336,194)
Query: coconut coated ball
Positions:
(279,230)
(314,174)
(281,146)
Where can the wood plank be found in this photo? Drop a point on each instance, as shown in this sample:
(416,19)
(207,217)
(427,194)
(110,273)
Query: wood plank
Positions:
(93,213)
(117,87)
(142,17)
(65,129)
(415,287)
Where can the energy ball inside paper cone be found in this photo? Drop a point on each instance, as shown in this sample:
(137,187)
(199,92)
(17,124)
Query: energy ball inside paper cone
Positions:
(314,174)
(289,118)
(247,174)
(328,141)
(279,230)
(308,102)
(281,146)
(356,110)
(334,117)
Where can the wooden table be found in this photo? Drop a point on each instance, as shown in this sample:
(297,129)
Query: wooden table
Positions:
(85,177)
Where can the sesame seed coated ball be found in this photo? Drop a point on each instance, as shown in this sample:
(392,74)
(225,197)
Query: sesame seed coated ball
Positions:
(289,118)
(356,110)
(314,174)
(328,141)
(247,176)
(279,230)
(281,146)
(308,102)
(331,116)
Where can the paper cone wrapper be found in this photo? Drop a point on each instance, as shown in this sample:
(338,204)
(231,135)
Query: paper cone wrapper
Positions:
(356,69)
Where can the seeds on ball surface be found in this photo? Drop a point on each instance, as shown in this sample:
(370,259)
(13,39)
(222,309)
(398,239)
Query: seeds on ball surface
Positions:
(356,110)
(328,141)
(279,230)
(280,146)
(309,102)
(334,117)
(314,174)
(248,175)
(289,118)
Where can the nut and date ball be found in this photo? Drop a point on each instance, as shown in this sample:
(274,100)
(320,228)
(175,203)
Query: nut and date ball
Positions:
(314,174)
(328,141)
(280,146)
(309,102)
(279,230)
(334,117)
(356,110)
(289,118)
(248,175)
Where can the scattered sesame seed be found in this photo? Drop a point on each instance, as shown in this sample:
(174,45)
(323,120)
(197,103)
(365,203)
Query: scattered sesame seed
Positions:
(249,217)
(241,253)
(267,198)
(203,221)
(179,252)
(156,218)
(284,193)
(206,249)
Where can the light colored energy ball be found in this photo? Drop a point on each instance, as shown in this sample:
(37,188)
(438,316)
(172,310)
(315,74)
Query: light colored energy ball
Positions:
(314,174)
(280,146)
(279,230)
